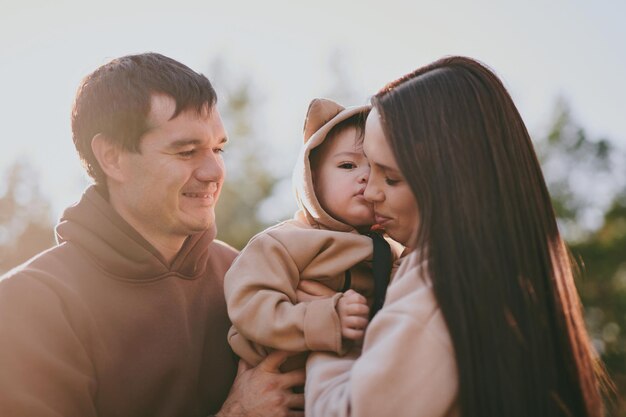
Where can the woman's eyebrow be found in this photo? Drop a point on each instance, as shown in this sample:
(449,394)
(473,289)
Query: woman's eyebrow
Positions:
(385,167)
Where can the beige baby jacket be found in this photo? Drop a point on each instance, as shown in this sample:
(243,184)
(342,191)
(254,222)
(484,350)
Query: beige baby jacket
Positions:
(260,286)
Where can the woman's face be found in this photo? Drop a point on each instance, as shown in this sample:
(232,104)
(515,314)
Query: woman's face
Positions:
(395,207)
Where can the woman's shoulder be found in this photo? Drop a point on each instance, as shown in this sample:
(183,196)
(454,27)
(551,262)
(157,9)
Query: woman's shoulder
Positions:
(412,271)
(411,290)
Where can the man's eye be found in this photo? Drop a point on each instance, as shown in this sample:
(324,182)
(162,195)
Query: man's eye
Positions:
(218,150)
(187,154)
(347,165)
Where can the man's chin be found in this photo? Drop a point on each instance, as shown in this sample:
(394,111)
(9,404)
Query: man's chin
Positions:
(199,225)
(204,226)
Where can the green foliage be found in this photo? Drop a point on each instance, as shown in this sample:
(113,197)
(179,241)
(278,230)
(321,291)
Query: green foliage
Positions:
(602,286)
(237,217)
(249,181)
(580,173)
(568,155)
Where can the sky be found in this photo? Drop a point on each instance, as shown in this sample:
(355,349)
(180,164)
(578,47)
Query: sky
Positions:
(543,51)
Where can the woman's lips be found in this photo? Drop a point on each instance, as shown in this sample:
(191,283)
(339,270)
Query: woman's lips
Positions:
(381,220)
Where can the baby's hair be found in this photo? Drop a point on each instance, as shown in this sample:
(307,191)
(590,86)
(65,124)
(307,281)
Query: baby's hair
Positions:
(356,121)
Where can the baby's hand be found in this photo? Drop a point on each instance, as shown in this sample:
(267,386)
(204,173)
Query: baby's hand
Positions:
(353,315)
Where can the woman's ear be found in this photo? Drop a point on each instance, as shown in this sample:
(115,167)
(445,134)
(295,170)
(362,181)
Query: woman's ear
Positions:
(108,154)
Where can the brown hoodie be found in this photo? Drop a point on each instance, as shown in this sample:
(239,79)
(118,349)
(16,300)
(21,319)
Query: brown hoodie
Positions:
(261,285)
(101,325)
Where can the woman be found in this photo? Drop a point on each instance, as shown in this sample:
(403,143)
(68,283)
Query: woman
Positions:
(483,318)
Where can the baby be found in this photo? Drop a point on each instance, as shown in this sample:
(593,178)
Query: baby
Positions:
(324,242)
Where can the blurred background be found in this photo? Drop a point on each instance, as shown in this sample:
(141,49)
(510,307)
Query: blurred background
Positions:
(563,62)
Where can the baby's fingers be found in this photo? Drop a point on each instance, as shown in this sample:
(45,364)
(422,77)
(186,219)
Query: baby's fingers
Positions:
(352,334)
(355,322)
(354,297)
(361,310)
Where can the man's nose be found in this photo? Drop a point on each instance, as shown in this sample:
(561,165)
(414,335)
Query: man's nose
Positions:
(211,168)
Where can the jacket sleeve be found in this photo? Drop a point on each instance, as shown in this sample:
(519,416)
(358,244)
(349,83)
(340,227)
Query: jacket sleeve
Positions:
(44,368)
(407,367)
(260,293)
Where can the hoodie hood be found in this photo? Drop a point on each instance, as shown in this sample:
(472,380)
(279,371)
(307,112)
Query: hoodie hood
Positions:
(321,117)
(120,250)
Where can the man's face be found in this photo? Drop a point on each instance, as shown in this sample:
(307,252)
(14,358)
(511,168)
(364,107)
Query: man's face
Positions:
(169,189)
(340,175)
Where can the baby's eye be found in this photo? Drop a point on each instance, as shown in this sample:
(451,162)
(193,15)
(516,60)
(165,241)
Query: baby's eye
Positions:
(347,165)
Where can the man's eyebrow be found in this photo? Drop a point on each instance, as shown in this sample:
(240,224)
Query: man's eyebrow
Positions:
(181,143)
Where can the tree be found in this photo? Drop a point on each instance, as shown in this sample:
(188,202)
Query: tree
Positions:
(25,225)
(588,192)
(581,174)
(249,181)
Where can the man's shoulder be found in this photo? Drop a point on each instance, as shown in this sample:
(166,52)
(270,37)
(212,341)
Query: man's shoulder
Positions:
(45,267)
(222,247)
(222,252)
(39,262)
(43,274)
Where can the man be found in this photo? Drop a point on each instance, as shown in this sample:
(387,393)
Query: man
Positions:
(126,315)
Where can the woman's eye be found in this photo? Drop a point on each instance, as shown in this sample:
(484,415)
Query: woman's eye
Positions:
(347,165)
(389,181)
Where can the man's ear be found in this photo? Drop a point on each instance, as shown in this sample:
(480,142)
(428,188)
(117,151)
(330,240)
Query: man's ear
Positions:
(108,154)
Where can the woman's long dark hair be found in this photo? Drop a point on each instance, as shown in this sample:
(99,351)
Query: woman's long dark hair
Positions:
(500,271)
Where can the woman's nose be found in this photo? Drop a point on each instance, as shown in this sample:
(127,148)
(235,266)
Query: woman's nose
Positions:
(373,193)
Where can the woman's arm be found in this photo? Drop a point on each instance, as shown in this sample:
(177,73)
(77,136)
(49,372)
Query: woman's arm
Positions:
(407,367)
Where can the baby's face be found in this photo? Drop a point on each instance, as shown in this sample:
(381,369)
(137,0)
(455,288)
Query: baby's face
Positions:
(340,177)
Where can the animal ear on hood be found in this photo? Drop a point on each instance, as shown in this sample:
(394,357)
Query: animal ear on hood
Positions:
(320,112)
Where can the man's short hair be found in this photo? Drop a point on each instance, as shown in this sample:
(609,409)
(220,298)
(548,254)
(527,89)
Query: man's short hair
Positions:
(114,100)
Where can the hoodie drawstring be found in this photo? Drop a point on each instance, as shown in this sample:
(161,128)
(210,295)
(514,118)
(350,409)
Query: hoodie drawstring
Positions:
(381,270)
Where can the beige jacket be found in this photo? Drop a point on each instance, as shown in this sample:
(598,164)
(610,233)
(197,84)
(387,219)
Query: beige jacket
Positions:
(407,366)
(260,286)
